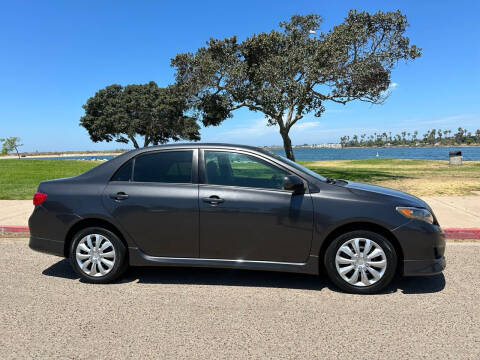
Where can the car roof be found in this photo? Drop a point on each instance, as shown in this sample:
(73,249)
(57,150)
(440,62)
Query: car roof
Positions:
(196,146)
(106,169)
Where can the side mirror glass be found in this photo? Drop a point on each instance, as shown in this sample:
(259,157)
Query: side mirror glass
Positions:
(293,183)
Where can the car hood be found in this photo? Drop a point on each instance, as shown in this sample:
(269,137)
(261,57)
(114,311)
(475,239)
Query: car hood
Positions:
(402,198)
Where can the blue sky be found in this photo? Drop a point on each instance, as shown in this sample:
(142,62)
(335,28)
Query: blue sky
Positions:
(56,54)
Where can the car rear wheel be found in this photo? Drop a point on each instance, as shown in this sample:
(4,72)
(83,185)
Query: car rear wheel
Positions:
(361,262)
(98,255)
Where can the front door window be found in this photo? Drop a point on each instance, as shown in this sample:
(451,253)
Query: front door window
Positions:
(236,169)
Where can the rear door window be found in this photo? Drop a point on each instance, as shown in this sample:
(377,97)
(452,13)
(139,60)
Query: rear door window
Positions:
(164,167)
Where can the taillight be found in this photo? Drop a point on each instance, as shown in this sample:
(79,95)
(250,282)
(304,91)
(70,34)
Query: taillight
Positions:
(39,198)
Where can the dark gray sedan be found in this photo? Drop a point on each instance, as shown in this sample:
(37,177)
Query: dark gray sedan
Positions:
(219,205)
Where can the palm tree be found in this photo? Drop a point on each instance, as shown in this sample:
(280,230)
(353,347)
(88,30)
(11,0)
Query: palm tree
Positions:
(459,135)
(462,136)
(413,138)
(355,140)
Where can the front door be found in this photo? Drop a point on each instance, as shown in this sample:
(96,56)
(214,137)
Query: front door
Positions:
(157,203)
(246,215)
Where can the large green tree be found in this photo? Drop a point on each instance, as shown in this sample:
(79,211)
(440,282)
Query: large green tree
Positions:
(123,113)
(289,73)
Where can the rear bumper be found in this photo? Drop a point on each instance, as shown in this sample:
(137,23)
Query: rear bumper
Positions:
(424,267)
(48,246)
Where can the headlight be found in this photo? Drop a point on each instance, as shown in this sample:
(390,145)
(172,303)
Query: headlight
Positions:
(416,213)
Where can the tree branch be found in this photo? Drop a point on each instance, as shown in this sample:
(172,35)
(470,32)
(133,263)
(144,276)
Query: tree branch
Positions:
(219,88)
(253,107)
(331,98)
(288,119)
(374,47)
(297,117)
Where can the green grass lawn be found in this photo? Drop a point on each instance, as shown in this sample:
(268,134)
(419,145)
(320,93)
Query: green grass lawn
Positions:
(19,178)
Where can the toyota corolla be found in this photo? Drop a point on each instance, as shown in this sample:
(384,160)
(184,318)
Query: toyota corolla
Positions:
(231,206)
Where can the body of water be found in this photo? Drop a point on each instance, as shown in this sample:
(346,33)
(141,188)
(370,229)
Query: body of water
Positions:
(420,153)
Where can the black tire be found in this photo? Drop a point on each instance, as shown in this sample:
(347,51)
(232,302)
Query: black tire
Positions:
(386,246)
(120,263)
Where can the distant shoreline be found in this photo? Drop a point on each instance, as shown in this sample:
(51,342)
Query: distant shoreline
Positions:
(409,146)
(56,154)
(377,147)
(61,154)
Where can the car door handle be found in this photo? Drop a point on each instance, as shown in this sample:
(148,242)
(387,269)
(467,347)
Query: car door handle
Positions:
(213,200)
(119,196)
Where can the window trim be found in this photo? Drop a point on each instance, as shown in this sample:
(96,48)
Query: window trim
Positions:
(203,177)
(194,173)
(120,168)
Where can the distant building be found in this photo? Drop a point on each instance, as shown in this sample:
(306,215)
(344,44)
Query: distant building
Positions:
(309,146)
(328,146)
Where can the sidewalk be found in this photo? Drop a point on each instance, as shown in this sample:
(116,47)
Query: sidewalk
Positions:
(15,212)
(453,212)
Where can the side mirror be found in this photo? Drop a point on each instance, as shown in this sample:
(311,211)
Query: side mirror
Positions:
(293,183)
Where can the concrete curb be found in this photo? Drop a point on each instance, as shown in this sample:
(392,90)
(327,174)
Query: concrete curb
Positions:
(450,233)
(13,229)
(457,233)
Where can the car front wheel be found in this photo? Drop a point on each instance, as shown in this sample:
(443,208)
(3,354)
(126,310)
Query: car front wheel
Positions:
(98,255)
(361,262)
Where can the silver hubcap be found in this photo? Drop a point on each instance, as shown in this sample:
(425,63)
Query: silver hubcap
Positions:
(361,262)
(95,255)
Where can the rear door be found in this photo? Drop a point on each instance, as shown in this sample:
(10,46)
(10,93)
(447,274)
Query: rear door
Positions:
(154,197)
(246,215)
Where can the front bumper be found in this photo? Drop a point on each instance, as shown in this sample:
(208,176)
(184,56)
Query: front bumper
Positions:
(48,246)
(424,267)
(423,247)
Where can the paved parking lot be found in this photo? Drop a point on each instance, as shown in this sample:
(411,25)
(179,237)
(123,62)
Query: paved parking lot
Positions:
(46,312)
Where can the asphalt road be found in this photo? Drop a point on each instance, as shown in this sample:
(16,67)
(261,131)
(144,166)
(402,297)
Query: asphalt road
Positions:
(46,312)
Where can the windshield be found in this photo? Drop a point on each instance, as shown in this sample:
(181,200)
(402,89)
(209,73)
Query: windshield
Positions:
(297,166)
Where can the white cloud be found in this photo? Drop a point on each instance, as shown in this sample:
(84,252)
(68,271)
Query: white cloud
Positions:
(392,86)
(306,125)
(336,111)
(259,128)
(256,128)
(452,121)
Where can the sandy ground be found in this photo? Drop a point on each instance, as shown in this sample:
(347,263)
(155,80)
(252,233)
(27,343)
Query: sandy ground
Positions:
(46,312)
(422,187)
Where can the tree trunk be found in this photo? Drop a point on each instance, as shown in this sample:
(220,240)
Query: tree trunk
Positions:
(146,141)
(134,141)
(287,144)
(17,152)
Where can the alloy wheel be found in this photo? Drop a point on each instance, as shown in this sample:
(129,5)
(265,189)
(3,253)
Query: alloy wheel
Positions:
(95,255)
(361,262)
